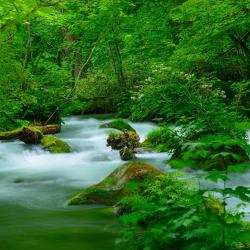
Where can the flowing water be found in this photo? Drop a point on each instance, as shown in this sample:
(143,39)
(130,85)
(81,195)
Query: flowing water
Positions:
(35,186)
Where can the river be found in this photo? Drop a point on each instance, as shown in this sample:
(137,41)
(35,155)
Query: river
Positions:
(36,185)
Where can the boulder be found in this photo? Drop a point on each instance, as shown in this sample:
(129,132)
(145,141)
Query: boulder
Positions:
(31,135)
(127,154)
(120,140)
(116,185)
(54,144)
(118,124)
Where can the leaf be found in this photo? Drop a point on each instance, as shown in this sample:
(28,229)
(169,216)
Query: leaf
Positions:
(216,175)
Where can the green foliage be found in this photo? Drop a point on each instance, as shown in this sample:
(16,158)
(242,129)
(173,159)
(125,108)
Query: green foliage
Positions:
(182,62)
(163,139)
(212,152)
(242,97)
(181,217)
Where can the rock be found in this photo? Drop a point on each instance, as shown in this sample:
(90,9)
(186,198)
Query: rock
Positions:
(31,135)
(127,154)
(120,140)
(118,124)
(49,129)
(54,144)
(116,185)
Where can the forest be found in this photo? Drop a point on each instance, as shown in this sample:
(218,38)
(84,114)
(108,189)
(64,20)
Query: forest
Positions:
(150,99)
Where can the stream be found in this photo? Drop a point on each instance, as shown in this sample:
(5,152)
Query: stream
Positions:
(36,185)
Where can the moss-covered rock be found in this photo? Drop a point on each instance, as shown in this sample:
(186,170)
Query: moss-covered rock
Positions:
(116,185)
(127,154)
(120,140)
(118,124)
(54,144)
(31,135)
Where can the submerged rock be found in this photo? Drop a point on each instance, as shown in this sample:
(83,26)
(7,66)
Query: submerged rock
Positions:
(116,185)
(31,135)
(54,144)
(118,124)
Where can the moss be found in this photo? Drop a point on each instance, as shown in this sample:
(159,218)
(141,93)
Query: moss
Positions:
(120,140)
(54,144)
(118,124)
(10,135)
(31,134)
(115,186)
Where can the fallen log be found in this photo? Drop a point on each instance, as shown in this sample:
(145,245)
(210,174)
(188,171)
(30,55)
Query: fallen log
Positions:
(16,134)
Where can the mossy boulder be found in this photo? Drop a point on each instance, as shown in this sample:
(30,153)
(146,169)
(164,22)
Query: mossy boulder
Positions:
(31,135)
(54,144)
(120,140)
(116,185)
(118,124)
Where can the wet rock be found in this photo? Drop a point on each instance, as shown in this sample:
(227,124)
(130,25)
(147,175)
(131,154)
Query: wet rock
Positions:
(127,154)
(116,185)
(31,135)
(118,124)
(120,140)
(54,144)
